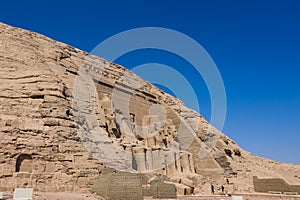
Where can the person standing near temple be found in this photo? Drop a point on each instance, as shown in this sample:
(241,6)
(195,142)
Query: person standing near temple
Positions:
(212,189)
(222,188)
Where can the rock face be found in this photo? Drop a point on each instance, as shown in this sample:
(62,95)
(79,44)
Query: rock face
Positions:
(67,116)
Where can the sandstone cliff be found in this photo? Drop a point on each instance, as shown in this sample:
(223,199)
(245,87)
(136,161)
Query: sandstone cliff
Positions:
(67,116)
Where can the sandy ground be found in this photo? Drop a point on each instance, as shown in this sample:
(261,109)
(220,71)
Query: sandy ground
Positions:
(245,197)
(58,196)
(71,196)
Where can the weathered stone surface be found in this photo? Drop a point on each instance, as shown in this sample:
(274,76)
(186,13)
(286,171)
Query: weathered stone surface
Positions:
(119,186)
(161,189)
(274,185)
(67,116)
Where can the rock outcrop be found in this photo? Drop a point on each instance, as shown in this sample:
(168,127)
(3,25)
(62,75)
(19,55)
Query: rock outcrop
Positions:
(66,117)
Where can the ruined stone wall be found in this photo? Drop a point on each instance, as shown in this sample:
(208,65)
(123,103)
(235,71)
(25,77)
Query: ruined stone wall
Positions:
(274,184)
(160,189)
(163,190)
(119,185)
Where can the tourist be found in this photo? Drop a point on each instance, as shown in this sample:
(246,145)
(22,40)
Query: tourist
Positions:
(212,189)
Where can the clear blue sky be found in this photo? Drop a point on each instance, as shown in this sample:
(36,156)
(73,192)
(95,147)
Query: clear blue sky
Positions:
(255,44)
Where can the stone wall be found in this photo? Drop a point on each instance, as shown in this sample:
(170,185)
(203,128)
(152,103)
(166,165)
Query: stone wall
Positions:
(119,185)
(163,190)
(274,184)
(160,189)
